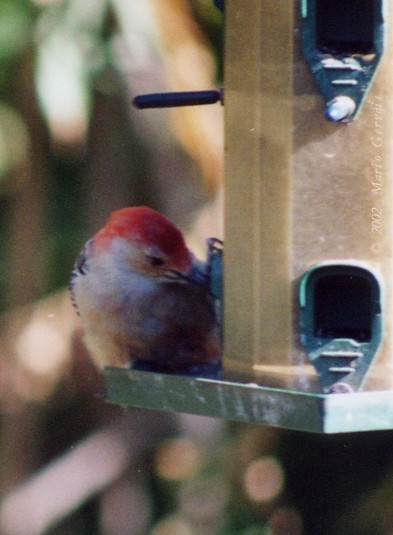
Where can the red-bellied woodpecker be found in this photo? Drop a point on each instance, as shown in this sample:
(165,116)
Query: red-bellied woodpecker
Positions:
(143,296)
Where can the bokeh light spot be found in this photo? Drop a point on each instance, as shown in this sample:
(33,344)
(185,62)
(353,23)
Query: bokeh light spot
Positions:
(177,459)
(264,479)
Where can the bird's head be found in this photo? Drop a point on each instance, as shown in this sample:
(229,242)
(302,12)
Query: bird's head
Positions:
(147,242)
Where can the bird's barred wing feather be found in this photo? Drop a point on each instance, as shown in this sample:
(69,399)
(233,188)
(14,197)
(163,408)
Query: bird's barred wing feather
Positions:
(80,268)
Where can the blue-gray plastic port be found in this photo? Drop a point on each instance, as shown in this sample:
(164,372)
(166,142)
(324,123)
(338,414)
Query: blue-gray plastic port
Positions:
(341,321)
(343,43)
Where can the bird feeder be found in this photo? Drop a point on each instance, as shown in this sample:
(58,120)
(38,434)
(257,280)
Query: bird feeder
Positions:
(308,285)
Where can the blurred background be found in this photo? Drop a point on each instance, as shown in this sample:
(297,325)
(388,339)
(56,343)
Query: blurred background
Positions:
(72,149)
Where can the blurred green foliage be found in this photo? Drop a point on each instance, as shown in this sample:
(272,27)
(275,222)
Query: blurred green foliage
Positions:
(28,154)
(17,18)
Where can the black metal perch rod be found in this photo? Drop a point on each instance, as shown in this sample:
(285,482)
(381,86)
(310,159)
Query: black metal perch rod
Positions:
(176,99)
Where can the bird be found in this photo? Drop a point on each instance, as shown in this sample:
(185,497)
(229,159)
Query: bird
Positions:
(144,298)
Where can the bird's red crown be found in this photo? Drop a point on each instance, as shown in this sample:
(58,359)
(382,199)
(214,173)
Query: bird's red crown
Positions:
(145,225)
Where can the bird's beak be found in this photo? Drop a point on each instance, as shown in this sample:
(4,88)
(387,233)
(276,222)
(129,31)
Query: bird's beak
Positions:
(195,275)
(198,276)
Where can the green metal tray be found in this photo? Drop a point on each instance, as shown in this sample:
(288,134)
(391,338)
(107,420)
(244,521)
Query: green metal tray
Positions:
(252,403)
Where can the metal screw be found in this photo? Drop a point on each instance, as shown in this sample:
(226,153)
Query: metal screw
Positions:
(340,109)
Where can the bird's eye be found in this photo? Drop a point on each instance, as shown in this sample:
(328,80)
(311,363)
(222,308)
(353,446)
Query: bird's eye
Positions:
(155,260)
